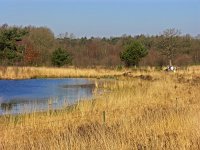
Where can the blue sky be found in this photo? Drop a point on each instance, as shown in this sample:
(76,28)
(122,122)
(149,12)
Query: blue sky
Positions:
(101,18)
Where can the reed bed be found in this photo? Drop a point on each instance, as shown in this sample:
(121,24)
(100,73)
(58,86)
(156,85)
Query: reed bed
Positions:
(146,110)
(46,72)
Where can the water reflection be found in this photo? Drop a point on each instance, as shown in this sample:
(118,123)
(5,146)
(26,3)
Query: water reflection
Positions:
(20,96)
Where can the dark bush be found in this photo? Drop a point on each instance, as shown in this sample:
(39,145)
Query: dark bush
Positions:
(133,53)
(61,57)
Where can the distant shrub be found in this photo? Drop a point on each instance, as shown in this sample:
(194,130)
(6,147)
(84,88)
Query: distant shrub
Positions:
(61,57)
(133,53)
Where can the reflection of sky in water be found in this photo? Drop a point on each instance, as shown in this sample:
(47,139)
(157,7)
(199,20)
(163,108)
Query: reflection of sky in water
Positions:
(37,94)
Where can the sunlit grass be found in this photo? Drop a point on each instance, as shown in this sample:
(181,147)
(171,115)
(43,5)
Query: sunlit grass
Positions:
(144,110)
(46,72)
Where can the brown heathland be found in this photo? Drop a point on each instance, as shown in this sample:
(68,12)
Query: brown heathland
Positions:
(144,110)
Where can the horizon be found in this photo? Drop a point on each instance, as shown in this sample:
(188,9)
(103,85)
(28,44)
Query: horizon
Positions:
(87,18)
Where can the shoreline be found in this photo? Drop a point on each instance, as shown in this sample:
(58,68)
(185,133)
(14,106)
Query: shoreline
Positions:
(17,73)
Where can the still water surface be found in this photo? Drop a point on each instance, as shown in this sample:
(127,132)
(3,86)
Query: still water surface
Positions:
(20,96)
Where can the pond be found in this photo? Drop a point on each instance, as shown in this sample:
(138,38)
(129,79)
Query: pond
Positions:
(20,96)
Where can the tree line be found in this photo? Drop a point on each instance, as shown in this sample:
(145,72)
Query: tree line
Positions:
(38,46)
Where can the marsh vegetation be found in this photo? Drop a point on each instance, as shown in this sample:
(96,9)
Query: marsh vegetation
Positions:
(143,110)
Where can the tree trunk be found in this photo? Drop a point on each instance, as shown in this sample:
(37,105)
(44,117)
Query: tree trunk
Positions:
(170,62)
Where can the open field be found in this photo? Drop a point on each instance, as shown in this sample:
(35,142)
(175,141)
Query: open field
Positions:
(143,110)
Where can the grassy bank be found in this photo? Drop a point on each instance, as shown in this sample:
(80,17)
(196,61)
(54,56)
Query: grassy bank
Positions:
(144,110)
(71,72)
(45,72)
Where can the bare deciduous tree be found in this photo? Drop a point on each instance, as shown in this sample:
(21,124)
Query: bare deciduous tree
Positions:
(169,43)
